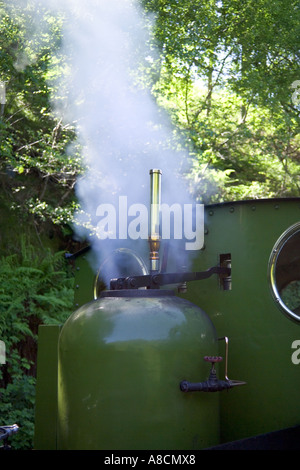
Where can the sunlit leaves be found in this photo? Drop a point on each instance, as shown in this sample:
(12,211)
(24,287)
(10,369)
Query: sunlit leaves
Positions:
(34,140)
(226,75)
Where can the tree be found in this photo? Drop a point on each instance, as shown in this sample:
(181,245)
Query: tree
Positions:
(34,141)
(224,73)
(37,176)
(36,288)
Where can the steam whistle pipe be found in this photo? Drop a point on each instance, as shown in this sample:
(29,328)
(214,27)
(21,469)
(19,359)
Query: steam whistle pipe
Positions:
(154,226)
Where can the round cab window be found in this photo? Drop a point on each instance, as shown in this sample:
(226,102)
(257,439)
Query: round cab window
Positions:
(284,272)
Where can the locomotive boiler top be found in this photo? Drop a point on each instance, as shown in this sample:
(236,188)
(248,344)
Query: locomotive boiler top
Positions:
(121,360)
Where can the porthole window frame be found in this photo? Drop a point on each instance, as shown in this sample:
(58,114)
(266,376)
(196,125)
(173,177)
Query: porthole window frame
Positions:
(276,251)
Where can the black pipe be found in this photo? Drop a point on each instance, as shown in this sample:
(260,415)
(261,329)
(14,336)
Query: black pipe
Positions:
(210,385)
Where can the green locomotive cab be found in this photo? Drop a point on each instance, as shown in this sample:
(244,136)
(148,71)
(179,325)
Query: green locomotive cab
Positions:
(122,361)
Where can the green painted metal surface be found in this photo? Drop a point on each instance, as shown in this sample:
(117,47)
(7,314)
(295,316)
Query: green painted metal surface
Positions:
(84,280)
(46,389)
(102,349)
(121,360)
(260,335)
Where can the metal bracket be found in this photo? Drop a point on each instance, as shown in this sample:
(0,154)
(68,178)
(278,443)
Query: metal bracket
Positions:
(154,281)
(232,382)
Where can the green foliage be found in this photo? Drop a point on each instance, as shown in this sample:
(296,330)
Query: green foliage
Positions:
(241,129)
(34,140)
(36,288)
(248,152)
(17,405)
(251,45)
(225,74)
(291,295)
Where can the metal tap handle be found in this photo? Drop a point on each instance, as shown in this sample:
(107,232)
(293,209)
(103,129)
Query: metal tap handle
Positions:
(213,359)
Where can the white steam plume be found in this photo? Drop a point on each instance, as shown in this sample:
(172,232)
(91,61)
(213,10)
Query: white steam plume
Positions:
(121,129)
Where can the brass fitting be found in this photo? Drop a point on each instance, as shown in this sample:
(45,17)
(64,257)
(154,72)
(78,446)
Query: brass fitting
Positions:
(154,230)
